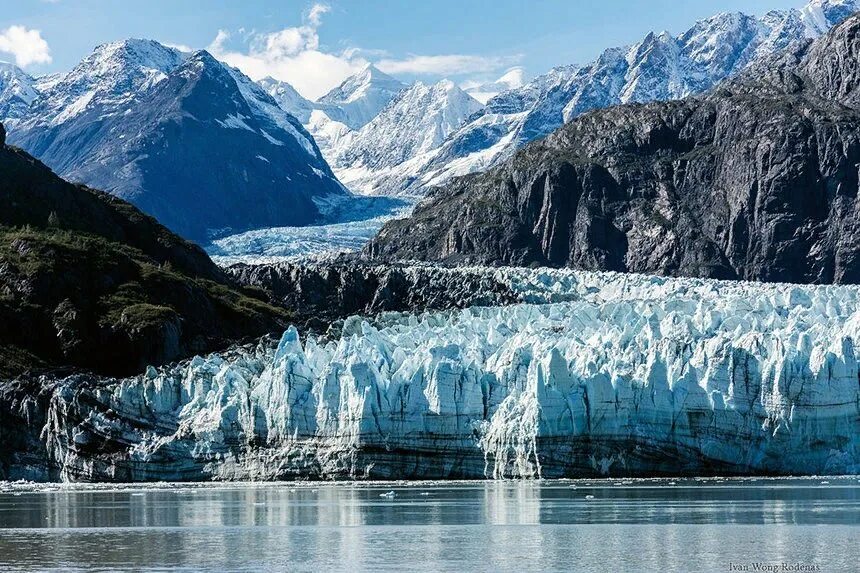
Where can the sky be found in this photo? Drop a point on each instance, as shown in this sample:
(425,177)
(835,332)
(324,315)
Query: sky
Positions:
(315,45)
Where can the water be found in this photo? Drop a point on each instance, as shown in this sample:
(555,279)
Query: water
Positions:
(642,525)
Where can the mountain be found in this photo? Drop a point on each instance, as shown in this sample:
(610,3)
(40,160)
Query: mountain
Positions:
(87,280)
(187,139)
(484,92)
(373,130)
(756,180)
(334,119)
(377,159)
(660,67)
(288,99)
(17,92)
(360,97)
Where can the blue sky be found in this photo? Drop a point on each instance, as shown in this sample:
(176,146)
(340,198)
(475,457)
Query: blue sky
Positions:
(316,45)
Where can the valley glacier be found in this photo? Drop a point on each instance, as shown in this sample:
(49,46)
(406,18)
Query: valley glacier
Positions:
(356,220)
(589,374)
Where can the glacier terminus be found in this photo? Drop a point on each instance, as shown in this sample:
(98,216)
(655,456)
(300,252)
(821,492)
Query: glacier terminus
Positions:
(587,374)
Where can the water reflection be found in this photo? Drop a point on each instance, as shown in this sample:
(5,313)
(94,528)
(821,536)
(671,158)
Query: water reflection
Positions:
(474,525)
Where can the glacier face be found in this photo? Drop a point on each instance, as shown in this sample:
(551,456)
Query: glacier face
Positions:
(590,374)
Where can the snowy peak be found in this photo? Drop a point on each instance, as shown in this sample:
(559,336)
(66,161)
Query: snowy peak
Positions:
(721,44)
(659,67)
(361,97)
(818,16)
(17,92)
(357,86)
(126,65)
(512,79)
(415,123)
(186,138)
(290,100)
(113,74)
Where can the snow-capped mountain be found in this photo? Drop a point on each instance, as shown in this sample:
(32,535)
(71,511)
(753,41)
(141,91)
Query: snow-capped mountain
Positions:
(484,92)
(112,76)
(360,97)
(380,156)
(16,92)
(659,67)
(335,117)
(189,140)
(290,100)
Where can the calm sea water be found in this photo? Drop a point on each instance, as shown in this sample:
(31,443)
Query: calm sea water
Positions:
(642,525)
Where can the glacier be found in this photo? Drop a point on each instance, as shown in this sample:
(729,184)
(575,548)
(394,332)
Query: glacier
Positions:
(588,374)
(351,222)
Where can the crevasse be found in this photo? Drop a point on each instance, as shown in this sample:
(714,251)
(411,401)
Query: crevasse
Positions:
(593,374)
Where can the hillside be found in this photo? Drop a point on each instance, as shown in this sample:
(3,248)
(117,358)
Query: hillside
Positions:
(87,280)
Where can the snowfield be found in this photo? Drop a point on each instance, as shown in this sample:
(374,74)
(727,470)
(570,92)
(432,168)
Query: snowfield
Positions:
(592,374)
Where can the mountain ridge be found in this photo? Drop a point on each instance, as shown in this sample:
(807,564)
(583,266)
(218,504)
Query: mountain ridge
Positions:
(754,180)
(193,142)
(659,67)
(89,281)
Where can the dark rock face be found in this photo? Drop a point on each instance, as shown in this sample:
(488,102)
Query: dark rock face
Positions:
(757,180)
(87,280)
(323,293)
(2,135)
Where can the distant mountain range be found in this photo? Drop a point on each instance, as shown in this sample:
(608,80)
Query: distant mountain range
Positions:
(207,151)
(377,158)
(659,67)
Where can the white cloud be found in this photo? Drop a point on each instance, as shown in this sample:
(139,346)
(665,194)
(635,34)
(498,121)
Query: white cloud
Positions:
(295,55)
(316,12)
(27,46)
(292,55)
(446,64)
(180,47)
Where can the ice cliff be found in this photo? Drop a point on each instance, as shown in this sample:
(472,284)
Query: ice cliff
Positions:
(589,374)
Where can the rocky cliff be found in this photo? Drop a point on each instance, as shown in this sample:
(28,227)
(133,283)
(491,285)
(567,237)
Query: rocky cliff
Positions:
(757,180)
(324,293)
